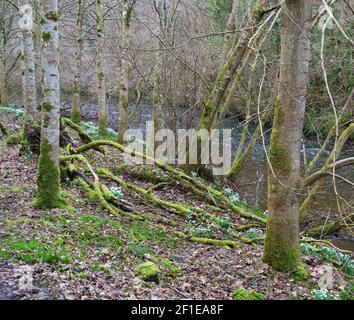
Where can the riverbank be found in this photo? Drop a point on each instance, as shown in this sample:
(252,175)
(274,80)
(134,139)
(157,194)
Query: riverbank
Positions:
(87,253)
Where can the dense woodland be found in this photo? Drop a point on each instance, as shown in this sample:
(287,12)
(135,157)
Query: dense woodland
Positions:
(79,222)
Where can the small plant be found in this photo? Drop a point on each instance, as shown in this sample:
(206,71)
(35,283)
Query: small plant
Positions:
(232,195)
(322,294)
(117,192)
(19,113)
(224,222)
(253,234)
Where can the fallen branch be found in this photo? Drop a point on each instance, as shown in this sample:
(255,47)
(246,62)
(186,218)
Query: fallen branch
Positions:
(195,185)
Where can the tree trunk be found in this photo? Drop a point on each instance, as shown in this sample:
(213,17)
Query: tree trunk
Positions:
(158,90)
(4,99)
(48,181)
(282,249)
(227,72)
(124,85)
(100,77)
(230,26)
(76,114)
(28,68)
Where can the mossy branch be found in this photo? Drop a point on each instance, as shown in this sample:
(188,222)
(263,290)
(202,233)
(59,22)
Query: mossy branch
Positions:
(196,186)
(3,130)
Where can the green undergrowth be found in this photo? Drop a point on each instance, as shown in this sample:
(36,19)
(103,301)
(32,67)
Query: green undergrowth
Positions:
(93,130)
(244,294)
(343,261)
(62,238)
(13,110)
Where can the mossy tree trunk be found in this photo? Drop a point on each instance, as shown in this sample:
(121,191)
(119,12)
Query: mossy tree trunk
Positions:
(282,249)
(124,84)
(4,99)
(100,77)
(227,72)
(76,114)
(48,181)
(158,100)
(230,26)
(28,68)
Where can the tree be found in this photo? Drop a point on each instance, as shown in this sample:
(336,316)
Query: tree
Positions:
(48,181)
(282,248)
(8,13)
(100,77)
(28,67)
(124,83)
(75,115)
(158,100)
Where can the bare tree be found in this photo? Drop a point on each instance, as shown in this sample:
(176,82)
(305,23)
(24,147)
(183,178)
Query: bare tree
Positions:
(124,81)
(75,115)
(100,76)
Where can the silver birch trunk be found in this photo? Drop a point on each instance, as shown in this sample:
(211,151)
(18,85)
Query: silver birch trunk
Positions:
(48,183)
(4,99)
(28,67)
(75,114)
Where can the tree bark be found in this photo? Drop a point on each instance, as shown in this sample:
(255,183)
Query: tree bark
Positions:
(124,84)
(100,77)
(48,180)
(158,100)
(28,68)
(76,113)
(4,99)
(230,26)
(282,249)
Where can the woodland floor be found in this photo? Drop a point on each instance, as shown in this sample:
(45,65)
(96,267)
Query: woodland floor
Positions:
(91,254)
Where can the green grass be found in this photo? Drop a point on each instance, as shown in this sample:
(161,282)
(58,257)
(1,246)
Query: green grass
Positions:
(57,238)
(34,251)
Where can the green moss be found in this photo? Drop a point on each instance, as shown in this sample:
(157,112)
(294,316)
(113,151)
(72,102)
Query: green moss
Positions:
(280,254)
(76,116)
(14,140)
(300,273)
(3,130)
(215,242)
(48,181)
(102,126)
(149,271)
(35,251)
(46,106)
(46,36)
(243,294)
(171,269)
(52,15)
(278,155)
